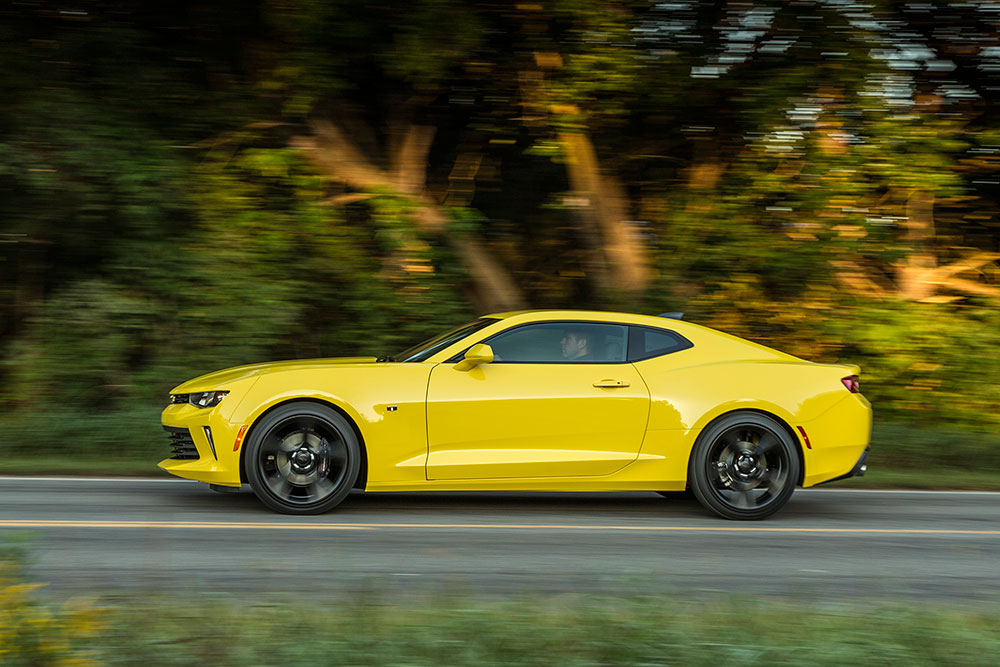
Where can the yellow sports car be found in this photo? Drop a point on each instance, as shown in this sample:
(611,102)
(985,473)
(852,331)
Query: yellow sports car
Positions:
(529,401)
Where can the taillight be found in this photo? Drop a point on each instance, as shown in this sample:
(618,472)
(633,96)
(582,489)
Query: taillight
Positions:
(852,383)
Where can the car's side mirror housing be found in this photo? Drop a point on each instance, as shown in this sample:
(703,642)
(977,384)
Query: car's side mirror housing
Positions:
(474,356)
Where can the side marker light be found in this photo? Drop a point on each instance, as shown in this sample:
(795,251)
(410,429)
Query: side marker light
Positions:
(804,437)
(239,438)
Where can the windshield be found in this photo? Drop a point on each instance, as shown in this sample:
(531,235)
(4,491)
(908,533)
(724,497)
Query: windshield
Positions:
(430,346)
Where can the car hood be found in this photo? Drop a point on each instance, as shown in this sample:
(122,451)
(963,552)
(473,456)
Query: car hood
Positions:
(220,379)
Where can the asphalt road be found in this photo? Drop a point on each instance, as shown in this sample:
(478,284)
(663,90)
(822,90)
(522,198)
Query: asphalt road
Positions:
(136,536)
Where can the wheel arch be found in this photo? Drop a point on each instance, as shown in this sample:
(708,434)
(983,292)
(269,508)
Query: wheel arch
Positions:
(784,424)
(362,480)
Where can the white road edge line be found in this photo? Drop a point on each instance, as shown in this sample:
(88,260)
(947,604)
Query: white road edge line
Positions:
(365,526)
(174,480)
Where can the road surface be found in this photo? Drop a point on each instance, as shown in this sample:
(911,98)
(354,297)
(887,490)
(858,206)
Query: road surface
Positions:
(134,536)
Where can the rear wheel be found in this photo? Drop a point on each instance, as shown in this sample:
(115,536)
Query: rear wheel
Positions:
(744,466)
(302,458)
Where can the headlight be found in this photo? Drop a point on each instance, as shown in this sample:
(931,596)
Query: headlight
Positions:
(205,399)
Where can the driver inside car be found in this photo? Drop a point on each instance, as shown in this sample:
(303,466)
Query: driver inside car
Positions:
(576,345)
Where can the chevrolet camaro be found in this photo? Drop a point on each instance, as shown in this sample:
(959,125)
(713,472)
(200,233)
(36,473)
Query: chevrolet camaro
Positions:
(529,401)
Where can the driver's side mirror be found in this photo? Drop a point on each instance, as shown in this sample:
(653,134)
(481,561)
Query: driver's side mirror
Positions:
(477,354)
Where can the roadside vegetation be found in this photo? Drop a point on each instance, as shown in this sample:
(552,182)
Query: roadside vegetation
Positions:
(457,630)
(565,631)
(186,187)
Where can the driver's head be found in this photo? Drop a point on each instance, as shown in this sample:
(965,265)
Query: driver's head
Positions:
(575,343)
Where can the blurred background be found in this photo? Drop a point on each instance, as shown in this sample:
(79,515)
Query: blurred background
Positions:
(188,186)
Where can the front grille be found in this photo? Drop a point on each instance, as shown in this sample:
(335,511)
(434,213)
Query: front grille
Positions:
(179,398)
(181,444)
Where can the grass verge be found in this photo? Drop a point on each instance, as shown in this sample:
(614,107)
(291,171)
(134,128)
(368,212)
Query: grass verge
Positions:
(564,630)
(940,479)
(87,466)
(131,442)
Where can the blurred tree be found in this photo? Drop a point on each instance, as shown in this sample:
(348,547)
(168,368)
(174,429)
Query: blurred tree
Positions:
(417,50)
(191,185)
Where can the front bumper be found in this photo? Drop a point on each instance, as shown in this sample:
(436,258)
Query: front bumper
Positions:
(201,442)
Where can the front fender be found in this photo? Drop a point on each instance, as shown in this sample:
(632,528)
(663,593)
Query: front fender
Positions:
(386,402)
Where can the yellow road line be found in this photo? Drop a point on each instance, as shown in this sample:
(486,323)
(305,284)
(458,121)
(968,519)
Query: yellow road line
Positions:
(250,525)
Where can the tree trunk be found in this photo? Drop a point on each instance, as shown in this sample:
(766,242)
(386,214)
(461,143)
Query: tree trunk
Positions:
(920,278)
(329,148)
(703,175)
(914,277)
(619,262)
(29,290)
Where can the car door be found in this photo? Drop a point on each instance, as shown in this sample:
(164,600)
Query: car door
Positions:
(540,409)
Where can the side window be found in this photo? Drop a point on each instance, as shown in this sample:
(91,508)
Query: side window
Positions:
(646,343)
(561,342)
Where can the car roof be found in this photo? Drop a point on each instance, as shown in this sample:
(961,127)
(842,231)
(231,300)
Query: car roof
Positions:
(694,332)
(596,315)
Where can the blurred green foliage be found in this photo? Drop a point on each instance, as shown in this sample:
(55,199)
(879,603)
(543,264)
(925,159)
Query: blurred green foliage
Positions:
(191,186)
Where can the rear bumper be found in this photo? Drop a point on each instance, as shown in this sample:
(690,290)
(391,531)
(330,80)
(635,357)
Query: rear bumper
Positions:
(859,469)
(839,439)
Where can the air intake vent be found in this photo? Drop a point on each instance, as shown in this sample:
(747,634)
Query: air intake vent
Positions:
(181,444)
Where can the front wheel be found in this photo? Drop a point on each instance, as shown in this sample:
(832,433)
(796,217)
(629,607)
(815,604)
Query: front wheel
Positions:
(303,458)
(744,466)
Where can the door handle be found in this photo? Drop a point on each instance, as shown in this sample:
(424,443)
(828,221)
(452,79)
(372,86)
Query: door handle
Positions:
(610,384)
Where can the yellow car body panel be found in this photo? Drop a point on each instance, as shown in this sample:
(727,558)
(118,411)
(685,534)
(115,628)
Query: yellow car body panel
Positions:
(523,421)
(537,427)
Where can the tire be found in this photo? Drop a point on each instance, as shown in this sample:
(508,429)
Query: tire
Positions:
(744,466)
(302,458)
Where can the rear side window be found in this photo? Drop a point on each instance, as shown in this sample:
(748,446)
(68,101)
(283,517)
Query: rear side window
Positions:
(647,342)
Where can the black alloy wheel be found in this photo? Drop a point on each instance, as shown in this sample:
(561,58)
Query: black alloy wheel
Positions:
(744,466)
(302,458)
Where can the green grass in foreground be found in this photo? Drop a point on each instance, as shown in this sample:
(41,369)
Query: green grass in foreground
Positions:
(131,442)
(940,479)
(567,630)
(87,466)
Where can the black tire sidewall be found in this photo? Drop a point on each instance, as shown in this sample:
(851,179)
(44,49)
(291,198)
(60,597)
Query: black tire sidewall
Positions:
(260,431)
(698,477)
